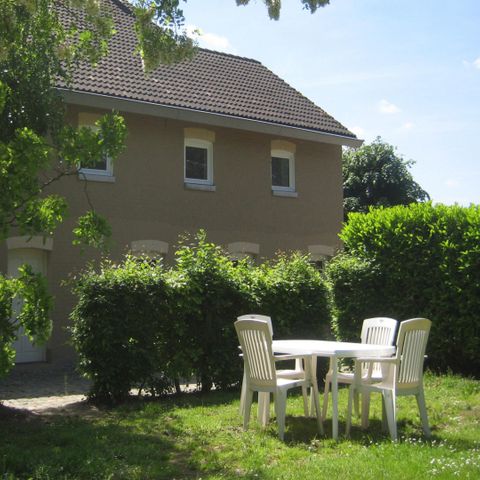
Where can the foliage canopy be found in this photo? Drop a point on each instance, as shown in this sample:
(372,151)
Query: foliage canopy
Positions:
(374,175)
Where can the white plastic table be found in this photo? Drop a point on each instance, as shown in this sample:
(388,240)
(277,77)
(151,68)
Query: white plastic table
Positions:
(334,351)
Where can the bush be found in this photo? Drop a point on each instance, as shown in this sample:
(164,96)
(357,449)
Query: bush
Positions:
(416,261)
(210,298)
(119,327)
(356,293)
(293,293)
(141,324)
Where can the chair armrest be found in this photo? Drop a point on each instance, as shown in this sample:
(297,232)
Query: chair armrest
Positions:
(372,360)
(377,360)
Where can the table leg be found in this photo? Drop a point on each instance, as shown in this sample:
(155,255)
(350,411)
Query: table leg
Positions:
(334,362)
(311,371)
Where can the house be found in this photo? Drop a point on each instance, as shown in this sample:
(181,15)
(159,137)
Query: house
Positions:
(218,142)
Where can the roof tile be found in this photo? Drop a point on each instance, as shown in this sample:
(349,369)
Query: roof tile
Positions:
(213,82)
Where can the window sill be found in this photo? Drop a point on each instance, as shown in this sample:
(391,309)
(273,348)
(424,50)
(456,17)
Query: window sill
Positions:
(200,186)
(96,177)
(284,193)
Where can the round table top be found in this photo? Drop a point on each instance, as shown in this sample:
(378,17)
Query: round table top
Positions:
(328,348)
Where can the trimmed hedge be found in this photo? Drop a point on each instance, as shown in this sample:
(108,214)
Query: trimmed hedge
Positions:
(137,324)
(294,294)
(417,261)
(119,327)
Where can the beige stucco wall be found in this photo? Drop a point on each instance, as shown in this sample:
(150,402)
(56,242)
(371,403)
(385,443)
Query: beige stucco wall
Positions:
(148,200)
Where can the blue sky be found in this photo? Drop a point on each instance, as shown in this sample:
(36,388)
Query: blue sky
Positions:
(408,71)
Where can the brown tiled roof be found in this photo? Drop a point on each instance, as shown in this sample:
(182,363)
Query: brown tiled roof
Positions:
(211,82)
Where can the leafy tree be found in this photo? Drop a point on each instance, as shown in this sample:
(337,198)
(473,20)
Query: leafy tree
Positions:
(37,147)
(374,175)
(274,6)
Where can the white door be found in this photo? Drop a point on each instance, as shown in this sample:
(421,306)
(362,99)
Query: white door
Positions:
(25,350)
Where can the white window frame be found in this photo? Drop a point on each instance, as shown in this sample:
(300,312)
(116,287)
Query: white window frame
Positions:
(290,156)
(94,173)
(197,143)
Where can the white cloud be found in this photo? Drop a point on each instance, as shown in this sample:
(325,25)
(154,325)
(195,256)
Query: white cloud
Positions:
(452,183)
(358,131)
(384,106)
(408,126)
(209,40)
(474,64)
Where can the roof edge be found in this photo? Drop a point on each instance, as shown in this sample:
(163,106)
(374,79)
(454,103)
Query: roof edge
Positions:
(110,102)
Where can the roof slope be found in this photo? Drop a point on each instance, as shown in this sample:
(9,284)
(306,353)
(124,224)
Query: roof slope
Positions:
(211,82)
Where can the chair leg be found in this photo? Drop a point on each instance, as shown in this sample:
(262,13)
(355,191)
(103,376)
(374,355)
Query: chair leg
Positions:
(356,407)
(242,394)
(423,412)
(325,396)
(389,399)
(365,409)
(384,417)
(247,407)
(263,408)
(351,393)
(280,410)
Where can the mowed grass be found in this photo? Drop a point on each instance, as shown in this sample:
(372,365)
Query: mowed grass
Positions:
(195,436)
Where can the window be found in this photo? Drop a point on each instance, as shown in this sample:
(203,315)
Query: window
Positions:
(283,171)
(198,161)
(152,251)
(241,250)
(320,255)
(103,169)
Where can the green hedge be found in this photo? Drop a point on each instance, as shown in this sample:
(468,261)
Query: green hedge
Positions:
(294,294)
(417,261)
(119,327)
(356,292)
(137,324)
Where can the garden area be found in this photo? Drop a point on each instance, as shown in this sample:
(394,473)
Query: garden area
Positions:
(200,436)
(140,325)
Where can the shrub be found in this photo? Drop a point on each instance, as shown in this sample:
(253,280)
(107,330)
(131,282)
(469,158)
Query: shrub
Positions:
(140,324)
(210,299)
(425,262)
(357,294)
(119,327)
(293,293)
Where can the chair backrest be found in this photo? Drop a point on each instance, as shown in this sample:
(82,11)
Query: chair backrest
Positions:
(379,330)
(256,342)
(411,344)
(256,316)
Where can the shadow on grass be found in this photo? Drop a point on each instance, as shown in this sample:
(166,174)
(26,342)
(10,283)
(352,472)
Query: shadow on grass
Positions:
(143,438)
(159,438)
(41,447)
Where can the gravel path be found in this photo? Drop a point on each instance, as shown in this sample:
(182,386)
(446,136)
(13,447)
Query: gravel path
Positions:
(43,388)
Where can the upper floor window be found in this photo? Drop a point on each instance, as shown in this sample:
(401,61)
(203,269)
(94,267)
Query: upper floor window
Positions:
(104,166)
(283,170)
(198,161)
(198,158)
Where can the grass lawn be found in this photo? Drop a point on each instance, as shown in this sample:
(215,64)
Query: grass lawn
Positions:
(194,436)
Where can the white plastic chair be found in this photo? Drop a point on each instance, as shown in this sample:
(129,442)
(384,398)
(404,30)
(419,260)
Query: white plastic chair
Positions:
(261,375)
(379,331)
(404,375)
(295,373)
